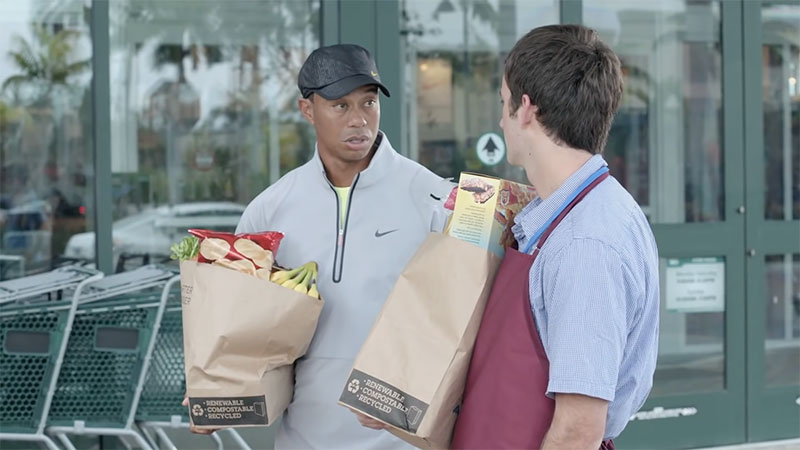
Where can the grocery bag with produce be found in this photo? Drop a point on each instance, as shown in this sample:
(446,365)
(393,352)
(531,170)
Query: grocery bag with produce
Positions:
(245,321)
(411,371)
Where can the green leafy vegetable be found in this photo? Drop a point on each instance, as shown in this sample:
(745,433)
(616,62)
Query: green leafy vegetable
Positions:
(186,249)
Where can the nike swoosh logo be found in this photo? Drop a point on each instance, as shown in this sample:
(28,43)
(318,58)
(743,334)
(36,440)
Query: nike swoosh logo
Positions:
(379,234)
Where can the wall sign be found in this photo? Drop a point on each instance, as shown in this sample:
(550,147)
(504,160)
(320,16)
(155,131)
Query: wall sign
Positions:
(491,149)
(695,284)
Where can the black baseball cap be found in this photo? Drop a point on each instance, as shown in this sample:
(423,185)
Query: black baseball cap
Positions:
(336,70)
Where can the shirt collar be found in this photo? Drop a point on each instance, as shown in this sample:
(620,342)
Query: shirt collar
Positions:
(378,167)
(537,212)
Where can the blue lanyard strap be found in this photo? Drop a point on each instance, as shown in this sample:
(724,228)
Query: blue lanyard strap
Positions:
(536,236)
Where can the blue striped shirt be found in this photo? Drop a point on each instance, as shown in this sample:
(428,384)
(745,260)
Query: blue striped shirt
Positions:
(594,292)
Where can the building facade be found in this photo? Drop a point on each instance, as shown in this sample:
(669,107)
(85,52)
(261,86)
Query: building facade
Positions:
(124,122)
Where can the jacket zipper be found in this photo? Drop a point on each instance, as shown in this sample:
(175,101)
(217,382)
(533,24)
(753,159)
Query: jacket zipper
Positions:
(341,230)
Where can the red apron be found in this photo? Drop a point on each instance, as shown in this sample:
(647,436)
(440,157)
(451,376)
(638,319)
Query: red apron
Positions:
(504,404)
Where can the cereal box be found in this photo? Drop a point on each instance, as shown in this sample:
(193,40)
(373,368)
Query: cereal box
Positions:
(485,209)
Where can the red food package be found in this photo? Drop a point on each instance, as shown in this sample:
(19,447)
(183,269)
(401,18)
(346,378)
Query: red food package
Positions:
(450,203)
(252,253)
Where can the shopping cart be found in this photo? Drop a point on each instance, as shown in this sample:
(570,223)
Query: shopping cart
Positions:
(36,317)
(107,355)
(6,264)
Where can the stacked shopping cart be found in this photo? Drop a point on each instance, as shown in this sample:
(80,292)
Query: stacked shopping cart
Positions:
(81,353)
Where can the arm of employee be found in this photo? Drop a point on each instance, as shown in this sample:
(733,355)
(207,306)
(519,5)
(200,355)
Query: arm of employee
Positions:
(584,332)
(578,423)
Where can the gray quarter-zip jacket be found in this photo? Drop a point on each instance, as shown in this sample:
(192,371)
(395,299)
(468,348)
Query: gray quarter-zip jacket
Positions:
(394,203)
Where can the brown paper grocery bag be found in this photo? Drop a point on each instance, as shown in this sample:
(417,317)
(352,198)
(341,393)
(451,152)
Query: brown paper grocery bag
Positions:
(241,336)
(187,283)
(411,371)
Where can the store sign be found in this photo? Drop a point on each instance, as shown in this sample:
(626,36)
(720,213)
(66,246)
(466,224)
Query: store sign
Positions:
(203,160)
(491,149)
(660,412)
(695,284)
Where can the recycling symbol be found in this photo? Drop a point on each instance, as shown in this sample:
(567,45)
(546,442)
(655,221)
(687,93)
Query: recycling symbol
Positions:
(413,415)
(353,386)
(197,410)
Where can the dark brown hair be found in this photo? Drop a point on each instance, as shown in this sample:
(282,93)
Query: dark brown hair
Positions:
(572,77)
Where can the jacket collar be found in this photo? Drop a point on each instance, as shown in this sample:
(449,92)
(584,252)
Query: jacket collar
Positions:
(378,167)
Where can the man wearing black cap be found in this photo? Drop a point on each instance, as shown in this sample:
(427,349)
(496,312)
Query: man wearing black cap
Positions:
(360,210)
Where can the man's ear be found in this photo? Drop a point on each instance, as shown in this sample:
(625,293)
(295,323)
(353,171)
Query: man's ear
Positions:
(306,109)
(527,111)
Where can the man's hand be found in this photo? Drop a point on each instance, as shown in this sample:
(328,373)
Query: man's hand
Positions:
(578,423)
(192,427)
(369,422)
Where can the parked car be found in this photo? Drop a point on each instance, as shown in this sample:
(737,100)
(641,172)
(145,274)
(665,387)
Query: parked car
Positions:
(153,231)
(27,233)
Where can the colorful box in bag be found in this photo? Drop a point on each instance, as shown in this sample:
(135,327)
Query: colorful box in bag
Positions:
(485,209)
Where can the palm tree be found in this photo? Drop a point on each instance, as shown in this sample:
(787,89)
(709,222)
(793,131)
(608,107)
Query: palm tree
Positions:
(46,68)
(11,122)
(167,54)
(46,61)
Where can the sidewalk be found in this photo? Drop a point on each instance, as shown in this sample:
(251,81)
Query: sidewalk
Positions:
(789,444)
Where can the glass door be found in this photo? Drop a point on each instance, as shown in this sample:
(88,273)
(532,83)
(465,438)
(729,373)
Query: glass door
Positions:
(707,140)
(203,115)
(772,105)
(453,58)
(676,145)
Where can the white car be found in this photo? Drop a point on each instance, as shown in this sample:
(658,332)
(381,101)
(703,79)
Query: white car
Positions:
(27,234)
(153,231)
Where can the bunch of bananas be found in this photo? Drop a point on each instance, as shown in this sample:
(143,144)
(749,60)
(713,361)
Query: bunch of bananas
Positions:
(302,279)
